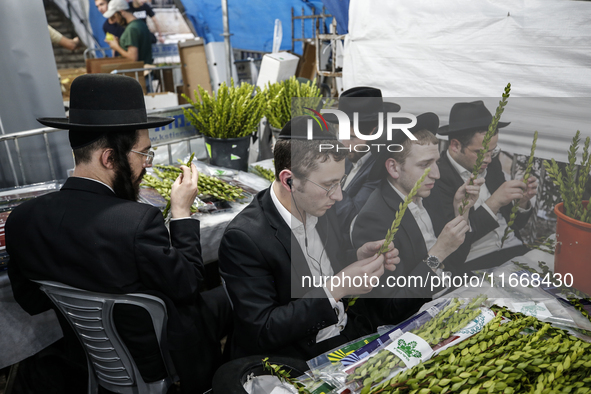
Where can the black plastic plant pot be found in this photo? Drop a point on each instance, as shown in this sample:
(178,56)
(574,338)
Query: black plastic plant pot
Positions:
(228,152)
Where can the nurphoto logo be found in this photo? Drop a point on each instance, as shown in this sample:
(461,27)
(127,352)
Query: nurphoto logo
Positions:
(392,120)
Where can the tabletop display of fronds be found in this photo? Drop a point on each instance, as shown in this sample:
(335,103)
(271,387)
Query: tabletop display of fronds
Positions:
(279,95)
(235,111)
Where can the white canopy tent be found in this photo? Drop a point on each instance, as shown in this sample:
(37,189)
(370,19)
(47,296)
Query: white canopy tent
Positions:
(472,49)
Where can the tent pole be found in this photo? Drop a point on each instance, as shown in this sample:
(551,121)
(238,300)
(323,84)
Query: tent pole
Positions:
(227,40)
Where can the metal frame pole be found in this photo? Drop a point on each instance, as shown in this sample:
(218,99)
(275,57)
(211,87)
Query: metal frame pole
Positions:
(9,154)
(226,21)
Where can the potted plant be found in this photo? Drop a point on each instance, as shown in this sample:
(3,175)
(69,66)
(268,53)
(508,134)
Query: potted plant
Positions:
(227,121)
(573,223)
(281,108)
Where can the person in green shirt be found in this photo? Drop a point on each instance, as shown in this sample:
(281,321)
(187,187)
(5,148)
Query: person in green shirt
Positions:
(136,41)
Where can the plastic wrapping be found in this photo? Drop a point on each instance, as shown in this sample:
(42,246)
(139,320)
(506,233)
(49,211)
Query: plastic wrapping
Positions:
(547,303)
(440,325)
(423,336)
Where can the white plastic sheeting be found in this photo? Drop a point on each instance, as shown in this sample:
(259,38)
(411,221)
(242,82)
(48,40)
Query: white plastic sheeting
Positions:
(464,48)
(472,49)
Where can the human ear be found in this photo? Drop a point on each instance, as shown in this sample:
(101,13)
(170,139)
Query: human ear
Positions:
(392,168)
(455,146)
(106,158)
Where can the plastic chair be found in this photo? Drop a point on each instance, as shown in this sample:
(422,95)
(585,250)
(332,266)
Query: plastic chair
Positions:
(109,362)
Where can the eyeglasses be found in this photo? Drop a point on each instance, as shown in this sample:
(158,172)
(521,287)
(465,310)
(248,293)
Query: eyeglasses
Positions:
(331,190)
(493,152)
(149,156)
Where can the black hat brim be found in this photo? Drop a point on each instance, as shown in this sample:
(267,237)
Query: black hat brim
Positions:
(64,124)
(444,130)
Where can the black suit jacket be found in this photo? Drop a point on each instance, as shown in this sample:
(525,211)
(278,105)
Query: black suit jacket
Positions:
(376,218)
(263,265)
(86,237)
(356,195)
(481,221)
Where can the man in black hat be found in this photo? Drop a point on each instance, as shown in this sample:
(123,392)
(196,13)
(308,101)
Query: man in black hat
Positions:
(276,254)
(428,243)
(368,104)
(468,123)
(94,235)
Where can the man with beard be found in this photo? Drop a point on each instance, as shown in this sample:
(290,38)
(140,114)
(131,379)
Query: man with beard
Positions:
(468,123)
(94,235)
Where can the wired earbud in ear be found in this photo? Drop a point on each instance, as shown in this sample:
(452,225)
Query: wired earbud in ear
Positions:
(289,182)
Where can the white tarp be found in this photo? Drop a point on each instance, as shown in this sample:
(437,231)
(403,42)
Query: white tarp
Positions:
(465,48)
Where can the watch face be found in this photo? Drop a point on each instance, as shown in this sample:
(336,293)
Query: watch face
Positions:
(433,262)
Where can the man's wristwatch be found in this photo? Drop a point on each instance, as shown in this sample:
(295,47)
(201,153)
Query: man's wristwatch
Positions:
(432,262)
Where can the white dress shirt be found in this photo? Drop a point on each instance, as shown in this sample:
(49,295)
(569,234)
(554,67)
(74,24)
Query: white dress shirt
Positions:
(356,167)
(96,180)
(491,242)
(317,260)
(422,218)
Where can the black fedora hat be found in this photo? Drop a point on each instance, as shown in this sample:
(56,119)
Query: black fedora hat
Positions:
(364,100)
(427,121)
(297,129)
(105,102)
(466,117)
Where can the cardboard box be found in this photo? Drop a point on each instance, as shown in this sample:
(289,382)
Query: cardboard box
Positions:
(93,66)
(67,76)
(161,100)
(180,90)
(277,67)
(307,65)
(194,67)
(107,68)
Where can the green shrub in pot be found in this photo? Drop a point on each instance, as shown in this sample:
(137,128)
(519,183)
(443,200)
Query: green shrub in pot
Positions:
(227,119)
(279,97)
(232,112)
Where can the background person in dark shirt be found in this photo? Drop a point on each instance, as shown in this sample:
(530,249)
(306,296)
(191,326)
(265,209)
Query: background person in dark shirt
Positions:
(142,10)
(135,42)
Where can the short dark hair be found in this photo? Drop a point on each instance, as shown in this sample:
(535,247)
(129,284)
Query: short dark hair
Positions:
(465,138)
(424,137)
(120,141)
(305,155)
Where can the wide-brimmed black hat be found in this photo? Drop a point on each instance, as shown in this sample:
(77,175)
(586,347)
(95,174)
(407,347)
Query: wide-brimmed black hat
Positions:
(297,129)
(101,103)
(364,100)
(466,117)
(427,121)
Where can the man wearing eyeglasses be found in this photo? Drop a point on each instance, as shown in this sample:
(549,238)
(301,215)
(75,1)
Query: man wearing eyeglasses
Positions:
(468,123)
(94,235)
(290,232)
